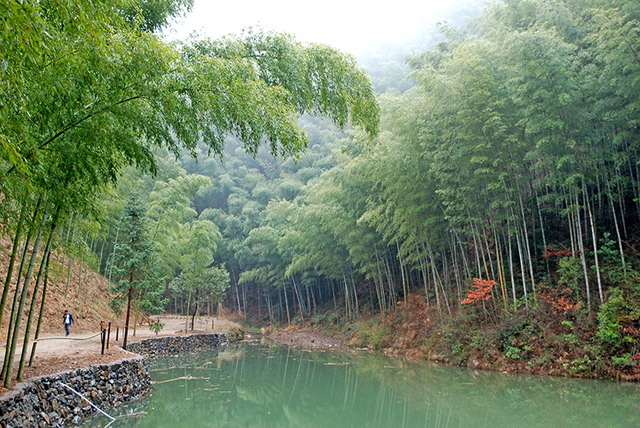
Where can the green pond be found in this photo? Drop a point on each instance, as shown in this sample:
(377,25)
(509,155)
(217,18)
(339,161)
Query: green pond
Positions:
(251,384)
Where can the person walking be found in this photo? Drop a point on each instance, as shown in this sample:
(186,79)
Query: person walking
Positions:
(67,320)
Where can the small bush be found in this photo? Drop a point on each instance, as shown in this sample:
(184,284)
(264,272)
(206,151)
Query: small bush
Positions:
(326,318)
(155,326)
(370,334)
(609,328)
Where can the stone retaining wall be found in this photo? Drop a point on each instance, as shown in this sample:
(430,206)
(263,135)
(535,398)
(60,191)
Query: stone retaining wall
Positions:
(45,401)
(178,344)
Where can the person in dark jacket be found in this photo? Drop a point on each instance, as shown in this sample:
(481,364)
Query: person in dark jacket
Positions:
(67,320)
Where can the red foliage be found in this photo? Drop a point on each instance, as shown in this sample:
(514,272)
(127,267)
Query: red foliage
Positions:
(480,291)
(551,252)
(631,330)
(558,300)
(411,323)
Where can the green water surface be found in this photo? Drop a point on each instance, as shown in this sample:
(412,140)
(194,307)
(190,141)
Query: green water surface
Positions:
(256,385)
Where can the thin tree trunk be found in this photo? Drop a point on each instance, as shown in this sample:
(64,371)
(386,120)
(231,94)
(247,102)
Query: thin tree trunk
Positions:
(528,247)
(498,257)
(16,293)
(40,315)
(16,329)
(622,206)
(66,290)
(615,222)
(390,281)
(193,317)
(80,276)
(435,281)
(355,293)
(100,270)
(544,238)
(34,297)
(64,254)
(286,302)
(12,260)
(425,276)
(186,316)
(126,323)
(135,318)
(582,255)
(594,239)
(522,268)
(380,280)
(456,268)
(486,244)
(113,252)
(347,303)
(404,282)
(297,294)
(233,275)
(511,273)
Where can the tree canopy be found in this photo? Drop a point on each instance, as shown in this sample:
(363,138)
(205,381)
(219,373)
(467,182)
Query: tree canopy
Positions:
(90,88)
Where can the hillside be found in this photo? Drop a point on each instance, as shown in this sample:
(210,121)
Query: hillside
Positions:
(88,300)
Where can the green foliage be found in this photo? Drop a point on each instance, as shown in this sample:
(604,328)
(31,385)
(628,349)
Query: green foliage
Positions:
(370,334)
(155,326)
(135,263)
(624,361)
(205,286)
(514,134)
(91,90)
(328,317)
(154,15)
(116,305)
(570,272)
(609,328)
(579,365)
(515,341)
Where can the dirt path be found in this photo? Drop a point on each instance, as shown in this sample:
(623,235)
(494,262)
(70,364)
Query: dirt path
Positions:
(305,339)
(56,353)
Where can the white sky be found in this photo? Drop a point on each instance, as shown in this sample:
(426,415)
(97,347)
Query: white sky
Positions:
(349,25)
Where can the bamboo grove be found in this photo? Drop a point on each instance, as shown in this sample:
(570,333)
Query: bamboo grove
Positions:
(504,181)
(90,88)
(514,160)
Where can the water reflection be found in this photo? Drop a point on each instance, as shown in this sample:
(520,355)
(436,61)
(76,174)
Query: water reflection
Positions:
(255,385)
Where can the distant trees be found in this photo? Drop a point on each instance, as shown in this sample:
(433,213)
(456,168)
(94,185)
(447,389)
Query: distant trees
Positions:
(517,136)
(200,287)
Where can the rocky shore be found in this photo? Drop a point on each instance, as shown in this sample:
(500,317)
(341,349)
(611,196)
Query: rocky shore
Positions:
(46,401)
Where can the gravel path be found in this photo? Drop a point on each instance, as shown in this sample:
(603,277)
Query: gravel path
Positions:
(56,353)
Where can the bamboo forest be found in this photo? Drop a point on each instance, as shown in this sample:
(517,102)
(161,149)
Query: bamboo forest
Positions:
(472,198)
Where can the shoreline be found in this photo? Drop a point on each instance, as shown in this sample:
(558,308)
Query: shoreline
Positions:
(313,339)
(46,399)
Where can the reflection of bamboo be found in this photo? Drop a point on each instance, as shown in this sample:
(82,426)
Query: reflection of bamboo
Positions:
(187,376)
(180,378)
(228,356)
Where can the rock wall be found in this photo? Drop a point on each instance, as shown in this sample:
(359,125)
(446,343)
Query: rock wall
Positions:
(45,401)
(178,344)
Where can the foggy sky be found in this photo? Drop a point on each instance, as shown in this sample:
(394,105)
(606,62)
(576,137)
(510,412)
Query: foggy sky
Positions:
(348,25)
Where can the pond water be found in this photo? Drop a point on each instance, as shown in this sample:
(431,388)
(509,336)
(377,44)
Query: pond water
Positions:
(251,384)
